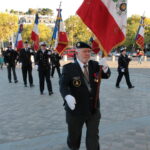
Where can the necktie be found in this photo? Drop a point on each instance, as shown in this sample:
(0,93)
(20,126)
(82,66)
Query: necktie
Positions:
(85,71)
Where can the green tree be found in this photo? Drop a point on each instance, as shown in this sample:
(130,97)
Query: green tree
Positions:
(77,30)
(8,25)
(44,33)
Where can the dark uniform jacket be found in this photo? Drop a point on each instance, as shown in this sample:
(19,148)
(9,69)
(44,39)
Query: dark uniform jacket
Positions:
(72,82)
(123,62)
(43,60)
(55,60)
(25,57)
(11,57)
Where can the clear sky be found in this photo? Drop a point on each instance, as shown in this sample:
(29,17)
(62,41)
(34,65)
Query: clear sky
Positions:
(70,6)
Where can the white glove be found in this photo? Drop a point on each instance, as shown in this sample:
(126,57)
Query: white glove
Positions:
(6,64)
(70,101)
(103,63)
(20,64)
(31,51)
(122,70)
(36,67)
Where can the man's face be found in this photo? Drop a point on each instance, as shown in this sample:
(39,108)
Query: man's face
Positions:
(83,54)
(43,47)
(124,52)
(26,45)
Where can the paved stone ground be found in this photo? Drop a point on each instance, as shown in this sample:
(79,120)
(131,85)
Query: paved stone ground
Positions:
(29,121)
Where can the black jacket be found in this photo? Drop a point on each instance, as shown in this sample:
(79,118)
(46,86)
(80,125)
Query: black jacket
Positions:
(55,58)
(72,82)
(25,57)
(123,62)
(11,57)
(43,60)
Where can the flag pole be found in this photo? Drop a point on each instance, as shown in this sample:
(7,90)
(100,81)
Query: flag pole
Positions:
(55,24)
(98,84)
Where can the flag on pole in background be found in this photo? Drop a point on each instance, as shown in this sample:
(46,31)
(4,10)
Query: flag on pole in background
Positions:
(62,40)
(35,33)
(140,34)
(59,34)
(107,20)
(19,42)
(94,45)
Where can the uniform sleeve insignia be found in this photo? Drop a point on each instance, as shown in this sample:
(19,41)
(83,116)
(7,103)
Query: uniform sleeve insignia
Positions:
(77,82)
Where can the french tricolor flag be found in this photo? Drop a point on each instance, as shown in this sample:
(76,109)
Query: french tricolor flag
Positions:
(35,33)
(19,42)
(140,34)
(107,19)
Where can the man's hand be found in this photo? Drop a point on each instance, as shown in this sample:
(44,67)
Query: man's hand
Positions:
(70,101)
(104,64)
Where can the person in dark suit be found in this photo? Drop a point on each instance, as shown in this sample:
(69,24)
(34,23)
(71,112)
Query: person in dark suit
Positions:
(25,60)
(123,63)
(10,59)
(55,59)
(43,62)
(78,84)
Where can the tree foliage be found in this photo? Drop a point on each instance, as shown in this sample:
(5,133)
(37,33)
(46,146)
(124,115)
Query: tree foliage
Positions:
(44,33)
(77,30)
(32,11)
(8,25)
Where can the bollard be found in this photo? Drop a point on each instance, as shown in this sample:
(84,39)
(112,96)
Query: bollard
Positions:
(32,59)
(65,58)
(97,58)
(113,58)
(145,58)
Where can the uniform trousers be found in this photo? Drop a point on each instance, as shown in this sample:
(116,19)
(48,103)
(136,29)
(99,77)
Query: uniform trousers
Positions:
(27,70)
(58,71)
(9,68)
(126,74)
(75,124)
(44,74)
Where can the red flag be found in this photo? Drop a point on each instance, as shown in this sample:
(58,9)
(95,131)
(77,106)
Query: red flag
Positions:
(35,33)
(19,42)
(106,19)
(140,34)
(62,40)
(95,45)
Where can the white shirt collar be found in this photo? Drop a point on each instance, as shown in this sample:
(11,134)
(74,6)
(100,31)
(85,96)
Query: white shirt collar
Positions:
(81,64)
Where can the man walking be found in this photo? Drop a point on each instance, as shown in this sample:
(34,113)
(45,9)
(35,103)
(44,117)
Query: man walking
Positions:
(78,84)
(10,59)
(43,62)
(123,63)
(25,59)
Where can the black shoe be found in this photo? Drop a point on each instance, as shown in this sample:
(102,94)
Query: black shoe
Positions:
(16,81)
(50,93)
(25,85)
(41,93)
(131,87)
(10,82)
(117,86)
(31,85)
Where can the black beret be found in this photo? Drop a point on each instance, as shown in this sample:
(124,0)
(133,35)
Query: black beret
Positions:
(26,42)
(43,44)
(82,45)
(10,43)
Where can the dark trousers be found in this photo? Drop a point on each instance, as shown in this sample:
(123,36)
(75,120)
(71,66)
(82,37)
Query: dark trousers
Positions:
(27,70)
(126,74)
(58,71)
(75,125)
(45,74)
(13,68)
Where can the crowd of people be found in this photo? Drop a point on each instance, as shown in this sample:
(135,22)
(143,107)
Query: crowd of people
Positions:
(78,81)
(45,62)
